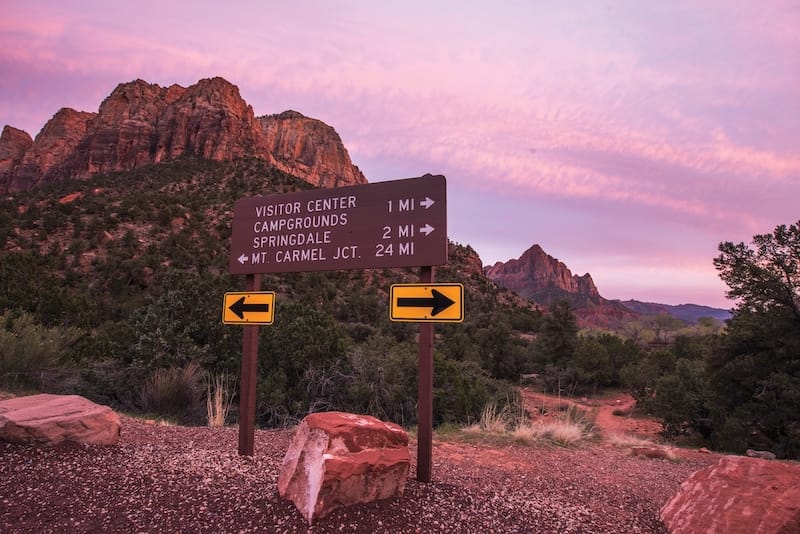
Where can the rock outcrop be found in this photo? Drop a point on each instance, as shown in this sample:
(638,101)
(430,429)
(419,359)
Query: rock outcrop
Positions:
(310,148)
(44,160)
(543,279)
(339,459)
(141,123)
(51,419)
(14,144)
(536,272)
(737,494)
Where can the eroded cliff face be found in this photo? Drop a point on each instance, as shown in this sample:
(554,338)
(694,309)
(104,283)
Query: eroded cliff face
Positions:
(544,280)
(43,159)
(308,147)
(141,123)
(536,271)
(13,145)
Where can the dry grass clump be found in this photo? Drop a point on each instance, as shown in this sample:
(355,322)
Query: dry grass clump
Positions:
(642,447)
(627,440)
(219,396)
(570,428)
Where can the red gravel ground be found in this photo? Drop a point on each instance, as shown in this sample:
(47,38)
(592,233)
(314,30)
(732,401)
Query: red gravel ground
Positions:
(161,479)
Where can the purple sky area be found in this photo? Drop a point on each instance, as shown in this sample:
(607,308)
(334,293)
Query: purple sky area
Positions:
(627,138)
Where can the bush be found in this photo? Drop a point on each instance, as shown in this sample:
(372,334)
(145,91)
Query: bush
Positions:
(27,349)
(175,392)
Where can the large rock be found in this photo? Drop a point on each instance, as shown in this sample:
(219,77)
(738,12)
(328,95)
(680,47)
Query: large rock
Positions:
(51,419)
(338,459)
(737,495)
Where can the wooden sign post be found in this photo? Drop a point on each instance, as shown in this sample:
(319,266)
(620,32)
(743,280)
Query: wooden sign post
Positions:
(399,223)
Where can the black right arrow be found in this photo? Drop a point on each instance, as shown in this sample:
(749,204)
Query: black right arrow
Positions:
(240,308)
(438,302)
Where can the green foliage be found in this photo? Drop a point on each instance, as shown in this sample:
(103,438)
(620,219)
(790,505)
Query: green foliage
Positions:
(180,322)
(679,399)
(766,276)
(138,260)
(301,345)
(558,336)
(462,389)
(383,380)
(754,387)
(28,348)
(27,283)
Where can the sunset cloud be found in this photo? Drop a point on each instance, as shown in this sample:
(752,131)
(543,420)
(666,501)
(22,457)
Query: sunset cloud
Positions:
(643,132)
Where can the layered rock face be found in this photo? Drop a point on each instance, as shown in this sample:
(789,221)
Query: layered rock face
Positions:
(310,148)
(737,494)
(13,145)
(53,146)
(536,271)
(142,123)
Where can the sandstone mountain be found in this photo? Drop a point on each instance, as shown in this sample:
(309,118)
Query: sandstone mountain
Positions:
(536,275)
(141,123)
(543,279)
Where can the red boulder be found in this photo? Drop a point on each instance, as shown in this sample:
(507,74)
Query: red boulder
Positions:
(338,459)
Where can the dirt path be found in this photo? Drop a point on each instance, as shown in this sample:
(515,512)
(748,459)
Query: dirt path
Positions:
(602,410)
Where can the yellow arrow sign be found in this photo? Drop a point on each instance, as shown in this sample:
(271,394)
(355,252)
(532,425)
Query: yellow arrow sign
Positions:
(430,303)
(257,307)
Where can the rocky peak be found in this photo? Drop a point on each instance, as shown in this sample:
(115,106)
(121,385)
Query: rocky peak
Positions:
(141,123)
(536,271)
(543,279)
(13,145)
(53,145)
(308,147)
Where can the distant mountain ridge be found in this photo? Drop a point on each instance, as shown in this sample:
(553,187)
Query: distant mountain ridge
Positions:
(686,312)
(543,279)
(140,123)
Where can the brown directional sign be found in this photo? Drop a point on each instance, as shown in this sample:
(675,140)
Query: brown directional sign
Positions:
(400,223)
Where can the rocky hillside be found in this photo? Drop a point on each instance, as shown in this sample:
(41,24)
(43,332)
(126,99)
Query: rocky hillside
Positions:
(543,279)
(140,124)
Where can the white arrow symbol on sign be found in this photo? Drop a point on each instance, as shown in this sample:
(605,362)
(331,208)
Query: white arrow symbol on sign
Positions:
(242,259)
(427,229)
(427,203)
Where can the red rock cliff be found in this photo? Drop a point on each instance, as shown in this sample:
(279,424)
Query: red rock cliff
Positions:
(536,271)
(141,123)
(308,147)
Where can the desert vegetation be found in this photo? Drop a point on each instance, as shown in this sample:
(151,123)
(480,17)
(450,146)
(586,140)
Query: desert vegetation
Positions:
(112,287)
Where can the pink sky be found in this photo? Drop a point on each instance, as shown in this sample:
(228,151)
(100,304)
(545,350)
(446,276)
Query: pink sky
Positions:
(627,138)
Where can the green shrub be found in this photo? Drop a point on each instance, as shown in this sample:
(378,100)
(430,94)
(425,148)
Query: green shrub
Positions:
(176,392)
(27,348)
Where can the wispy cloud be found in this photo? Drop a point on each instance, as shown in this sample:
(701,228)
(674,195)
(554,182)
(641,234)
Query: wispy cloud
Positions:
(673,124)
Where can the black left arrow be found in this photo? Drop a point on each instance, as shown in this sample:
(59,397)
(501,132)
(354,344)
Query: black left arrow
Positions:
(438,302)
(240,308)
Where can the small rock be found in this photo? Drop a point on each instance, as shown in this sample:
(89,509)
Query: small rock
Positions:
(764,455)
